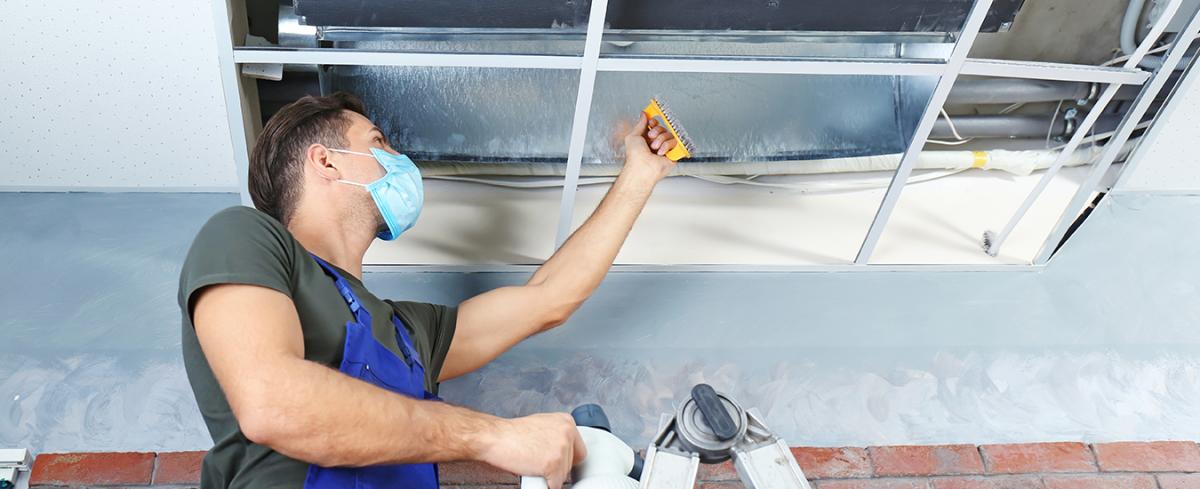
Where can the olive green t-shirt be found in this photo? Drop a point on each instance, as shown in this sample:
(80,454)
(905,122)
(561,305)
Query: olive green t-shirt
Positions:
(241,245)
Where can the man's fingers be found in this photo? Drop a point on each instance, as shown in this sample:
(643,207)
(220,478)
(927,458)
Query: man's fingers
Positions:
(659,140)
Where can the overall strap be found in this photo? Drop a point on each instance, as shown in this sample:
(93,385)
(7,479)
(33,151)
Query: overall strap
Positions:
(361,314)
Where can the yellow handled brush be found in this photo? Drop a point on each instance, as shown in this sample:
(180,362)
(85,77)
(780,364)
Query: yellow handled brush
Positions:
(657,110)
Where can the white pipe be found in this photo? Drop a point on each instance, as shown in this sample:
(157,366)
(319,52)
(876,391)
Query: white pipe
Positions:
(1014,162)
(1129,25)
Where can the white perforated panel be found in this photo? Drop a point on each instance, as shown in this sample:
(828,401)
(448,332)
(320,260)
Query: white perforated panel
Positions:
(112,95)
(1168,160)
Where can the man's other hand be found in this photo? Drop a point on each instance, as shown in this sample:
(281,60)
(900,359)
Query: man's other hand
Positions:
(545,445)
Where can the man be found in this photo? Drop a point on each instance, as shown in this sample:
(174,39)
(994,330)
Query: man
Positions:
(306,379)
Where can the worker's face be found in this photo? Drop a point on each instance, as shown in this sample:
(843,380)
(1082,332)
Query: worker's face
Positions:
(361,137)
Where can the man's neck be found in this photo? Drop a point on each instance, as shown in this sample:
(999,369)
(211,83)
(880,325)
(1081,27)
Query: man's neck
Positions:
(340,241)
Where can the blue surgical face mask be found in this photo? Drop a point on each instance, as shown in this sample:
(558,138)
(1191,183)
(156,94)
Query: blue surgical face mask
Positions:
(399,194)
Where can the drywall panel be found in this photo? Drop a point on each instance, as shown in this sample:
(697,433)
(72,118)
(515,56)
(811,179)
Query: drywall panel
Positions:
(691,221)
(112,94)
(1101,345)
(944,221)
(1167,160)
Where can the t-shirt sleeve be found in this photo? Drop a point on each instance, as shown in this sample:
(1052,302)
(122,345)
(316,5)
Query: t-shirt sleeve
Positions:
(433,329)
(238,245)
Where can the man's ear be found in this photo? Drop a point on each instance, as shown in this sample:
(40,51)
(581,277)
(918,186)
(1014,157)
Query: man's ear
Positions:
(319,159)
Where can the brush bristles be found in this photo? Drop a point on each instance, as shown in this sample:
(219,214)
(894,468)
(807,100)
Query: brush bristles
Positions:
(684,138)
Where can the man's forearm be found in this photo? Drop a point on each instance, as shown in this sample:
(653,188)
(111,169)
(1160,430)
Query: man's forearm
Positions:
(579,266)
(322,416)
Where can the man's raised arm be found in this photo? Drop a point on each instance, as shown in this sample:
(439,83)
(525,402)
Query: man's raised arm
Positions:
(493,322)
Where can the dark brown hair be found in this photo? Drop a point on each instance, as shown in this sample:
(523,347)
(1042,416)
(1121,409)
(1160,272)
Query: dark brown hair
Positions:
(277,160)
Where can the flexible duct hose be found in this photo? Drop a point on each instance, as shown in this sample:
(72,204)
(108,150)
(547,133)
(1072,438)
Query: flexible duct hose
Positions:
(1133,14)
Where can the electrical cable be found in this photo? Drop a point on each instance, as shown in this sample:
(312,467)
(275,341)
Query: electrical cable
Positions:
(827,187)
(953,130)
(523,184)
(1050,130)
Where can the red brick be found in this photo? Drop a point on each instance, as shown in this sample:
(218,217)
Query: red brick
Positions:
(1159,456)
(833,463)
(722,485)
(97,468)
(723,471)
(178,468)
(1032,458)
(993,482)
(875,484)
(1102,481)
(1178,481)
(926,460)
(474,473)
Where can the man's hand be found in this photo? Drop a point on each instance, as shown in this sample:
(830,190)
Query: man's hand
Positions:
(645,147)
(545,445)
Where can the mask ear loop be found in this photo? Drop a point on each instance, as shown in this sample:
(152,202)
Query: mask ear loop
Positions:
(336,150)
(346,151)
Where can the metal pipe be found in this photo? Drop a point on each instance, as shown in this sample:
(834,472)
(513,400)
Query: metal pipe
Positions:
(1014,90)
(1014,126)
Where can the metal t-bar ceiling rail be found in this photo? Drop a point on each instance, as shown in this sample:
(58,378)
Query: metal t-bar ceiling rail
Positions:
(357,57)
(992,242)
(231,88)
(1040,70)
(950,73)
(1033,70)
(1113,149)
(583,109)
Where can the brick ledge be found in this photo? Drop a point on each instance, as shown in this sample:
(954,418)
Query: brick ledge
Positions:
(1057,465)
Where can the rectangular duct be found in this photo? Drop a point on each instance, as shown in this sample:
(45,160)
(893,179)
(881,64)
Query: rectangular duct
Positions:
(770,15)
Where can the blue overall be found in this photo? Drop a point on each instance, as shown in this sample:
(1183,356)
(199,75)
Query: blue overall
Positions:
(366,359)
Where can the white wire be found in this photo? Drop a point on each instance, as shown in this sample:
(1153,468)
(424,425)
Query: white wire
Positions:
(1103,135)
(950,122)
(718,179)
(1012,107)
(1050,130)
(544,183)
(950,143)
(953,130)
(1125,57)
(827,187)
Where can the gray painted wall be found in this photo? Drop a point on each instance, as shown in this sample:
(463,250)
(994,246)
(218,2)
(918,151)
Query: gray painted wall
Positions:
(1103,345)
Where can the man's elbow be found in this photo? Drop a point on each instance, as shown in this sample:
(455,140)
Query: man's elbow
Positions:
(558,314)
(266,424)
(261,422)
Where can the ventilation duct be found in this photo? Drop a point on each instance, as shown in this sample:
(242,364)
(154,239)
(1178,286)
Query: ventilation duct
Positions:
(521,116)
